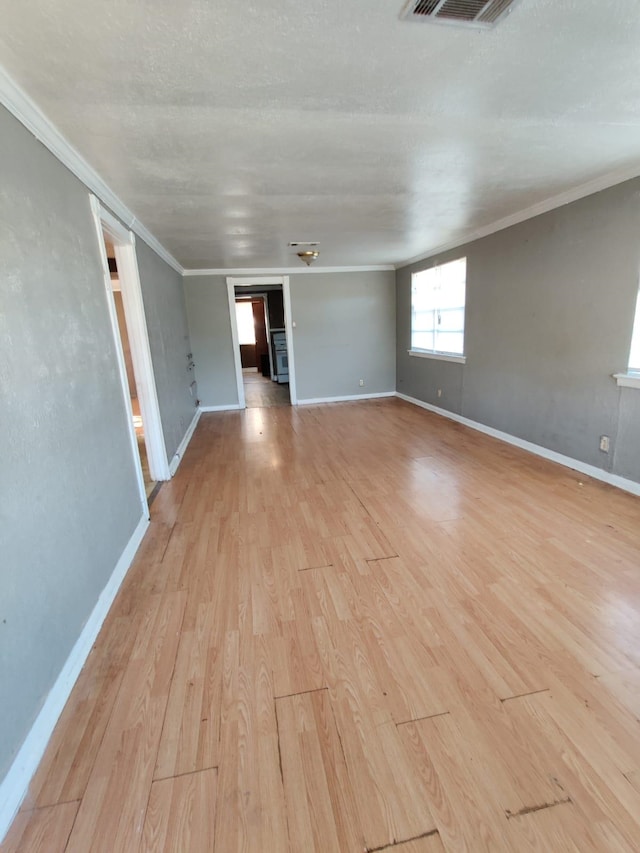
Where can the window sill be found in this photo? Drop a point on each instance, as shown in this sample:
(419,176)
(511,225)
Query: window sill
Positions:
(438,356)
(628,380)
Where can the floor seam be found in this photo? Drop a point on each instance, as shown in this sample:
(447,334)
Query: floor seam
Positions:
(396,843)
(428,717)
(186,773)
(532,809)
(524,695)
(301,693)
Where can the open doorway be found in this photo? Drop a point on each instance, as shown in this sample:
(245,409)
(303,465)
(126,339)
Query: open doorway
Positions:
(126,310)
(262,341)
(265,374)
(136,416)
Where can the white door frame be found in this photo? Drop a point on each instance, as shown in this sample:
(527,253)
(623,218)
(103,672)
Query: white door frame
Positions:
(124,244)
(258,281)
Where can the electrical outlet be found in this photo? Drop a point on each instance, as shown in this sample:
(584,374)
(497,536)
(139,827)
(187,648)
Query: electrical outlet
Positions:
(439,392)
(361,382)
(604,443)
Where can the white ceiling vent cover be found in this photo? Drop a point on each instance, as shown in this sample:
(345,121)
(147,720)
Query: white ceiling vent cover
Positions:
(469,13)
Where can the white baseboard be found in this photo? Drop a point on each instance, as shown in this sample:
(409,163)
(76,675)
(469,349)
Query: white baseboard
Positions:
(15,784)
(177,456)
(228,408)
(312,401)
(544,452)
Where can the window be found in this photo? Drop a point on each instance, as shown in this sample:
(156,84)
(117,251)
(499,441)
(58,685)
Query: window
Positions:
(246,329)
(437,310)
(634,357)
(631,379)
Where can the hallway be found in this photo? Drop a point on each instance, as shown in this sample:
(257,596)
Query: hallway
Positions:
(261,392)
(359,627)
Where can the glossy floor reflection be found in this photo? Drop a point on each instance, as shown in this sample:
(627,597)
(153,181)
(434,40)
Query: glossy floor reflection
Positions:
(260,391)
(359,627)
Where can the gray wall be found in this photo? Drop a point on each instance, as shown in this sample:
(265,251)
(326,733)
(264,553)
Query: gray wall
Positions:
(164,308)
(550,306)
(69,499)
(210,332)
(345,331)
(627,450)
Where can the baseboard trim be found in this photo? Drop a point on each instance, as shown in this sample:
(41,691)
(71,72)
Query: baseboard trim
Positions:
(567,461)
(227,408)
(15,784)
(177,456)
(313,401)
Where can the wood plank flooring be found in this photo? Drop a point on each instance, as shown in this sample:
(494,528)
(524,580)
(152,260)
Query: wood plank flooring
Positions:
(359,627)
(261,391)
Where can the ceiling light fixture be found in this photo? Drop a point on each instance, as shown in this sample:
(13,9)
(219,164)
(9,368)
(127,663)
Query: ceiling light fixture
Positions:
(308,257)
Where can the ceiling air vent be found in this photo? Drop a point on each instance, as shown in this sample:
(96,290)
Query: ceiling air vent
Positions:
(473,13)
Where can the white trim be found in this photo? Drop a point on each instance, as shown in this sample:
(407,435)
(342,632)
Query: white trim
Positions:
(15,784)
(280,271)
(627,380)
(26,111)
(122,369)
(259,281)
(438,356)
(568,462)
(142,362)
(124,245)
(235,343)
(604,182)
(228,407)
(314,401)
(256,280)
(177,456)
(289,326)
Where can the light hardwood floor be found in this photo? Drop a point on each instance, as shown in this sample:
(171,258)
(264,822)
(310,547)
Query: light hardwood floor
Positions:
(261,392)
(359,627)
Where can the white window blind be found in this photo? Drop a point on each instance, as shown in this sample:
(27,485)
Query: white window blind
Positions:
(438,307)
(634,357)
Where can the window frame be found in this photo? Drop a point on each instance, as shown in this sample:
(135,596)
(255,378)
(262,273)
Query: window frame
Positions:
(631,379)
(439,354)
(634,351)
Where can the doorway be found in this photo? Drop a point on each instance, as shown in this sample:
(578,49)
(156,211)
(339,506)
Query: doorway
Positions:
(265,380)
(126,310)
(138,423)
(263,346)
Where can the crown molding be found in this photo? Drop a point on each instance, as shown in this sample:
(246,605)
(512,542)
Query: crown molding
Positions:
(31,116)
(289,270)
(604,182)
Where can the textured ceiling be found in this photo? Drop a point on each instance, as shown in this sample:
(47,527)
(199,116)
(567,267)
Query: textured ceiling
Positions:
(230,129)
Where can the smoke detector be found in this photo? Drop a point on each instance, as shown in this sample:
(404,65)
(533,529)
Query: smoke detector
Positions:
(469,13)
